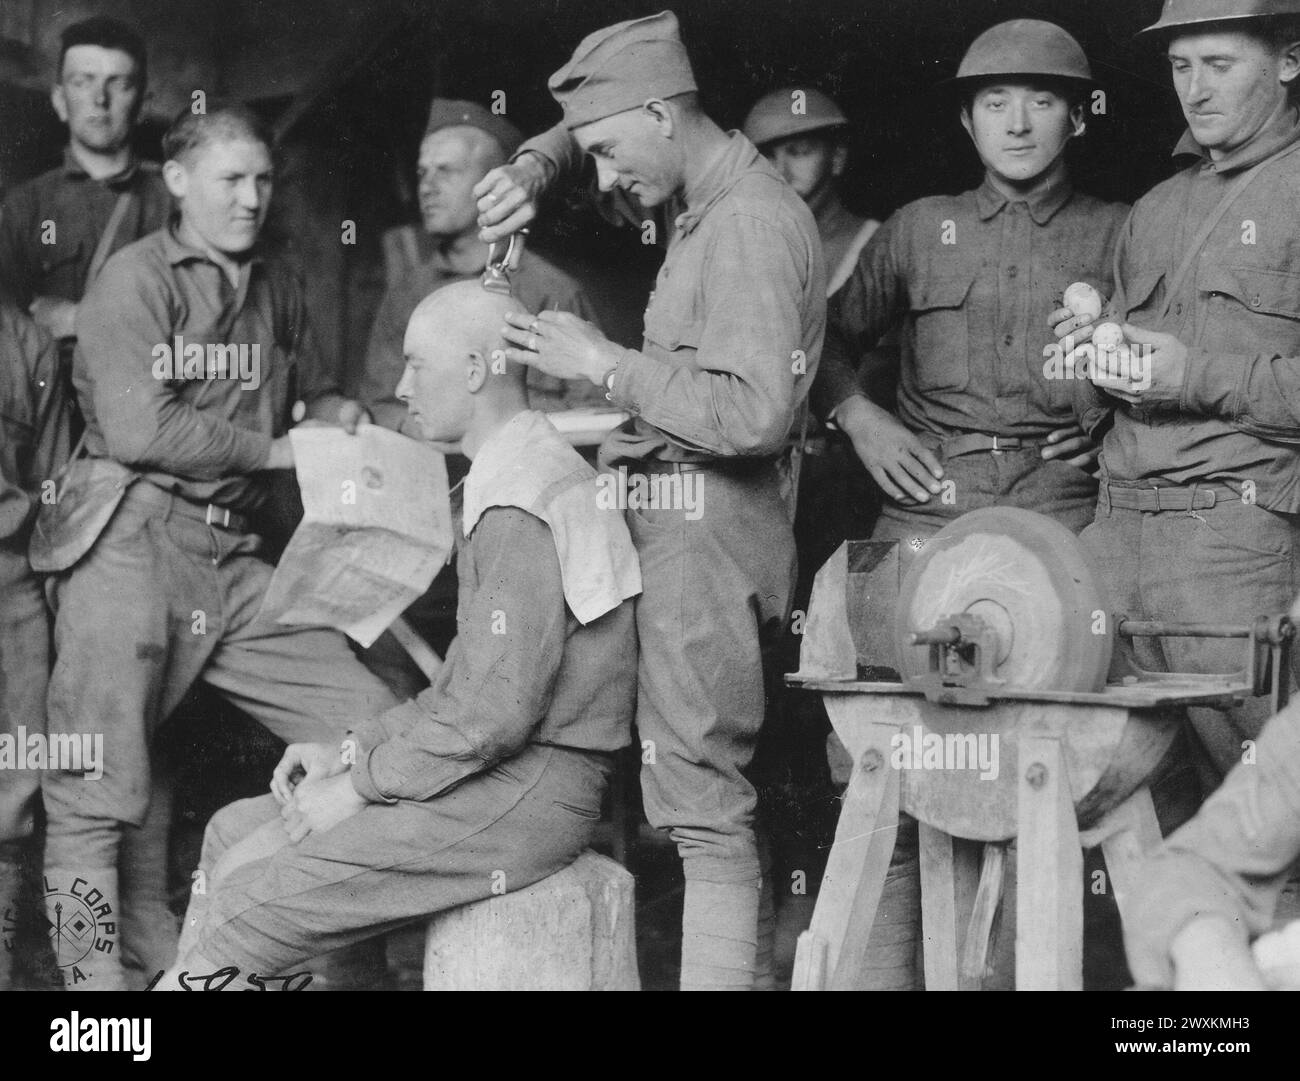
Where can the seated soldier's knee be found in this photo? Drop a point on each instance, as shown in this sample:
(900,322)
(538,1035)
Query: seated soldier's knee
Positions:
(231,825)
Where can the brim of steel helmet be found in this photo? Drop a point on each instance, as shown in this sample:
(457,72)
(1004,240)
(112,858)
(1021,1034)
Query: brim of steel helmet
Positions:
(1148,33)
(830,125)
(960,82)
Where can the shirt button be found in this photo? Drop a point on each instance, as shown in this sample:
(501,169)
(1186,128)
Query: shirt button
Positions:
(1012,271)
(1010,339)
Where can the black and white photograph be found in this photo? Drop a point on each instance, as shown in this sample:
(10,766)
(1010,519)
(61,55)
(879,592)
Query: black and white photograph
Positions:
(750,495)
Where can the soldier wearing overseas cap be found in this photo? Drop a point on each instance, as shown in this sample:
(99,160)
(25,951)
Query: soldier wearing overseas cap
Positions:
(1200,471)
(968,279)
(462,141)
(732,338)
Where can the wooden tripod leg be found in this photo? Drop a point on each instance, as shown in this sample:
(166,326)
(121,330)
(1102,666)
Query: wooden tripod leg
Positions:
(1129,832)
(1049,871)
(834,947)
(950,870)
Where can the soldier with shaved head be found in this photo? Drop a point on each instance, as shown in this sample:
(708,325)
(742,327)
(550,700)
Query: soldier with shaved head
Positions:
(498,767)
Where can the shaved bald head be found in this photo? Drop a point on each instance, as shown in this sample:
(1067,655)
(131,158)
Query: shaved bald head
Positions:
(455,361)
(465,312)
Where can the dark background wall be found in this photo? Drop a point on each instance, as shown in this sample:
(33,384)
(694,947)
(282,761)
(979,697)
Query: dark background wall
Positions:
(349,81)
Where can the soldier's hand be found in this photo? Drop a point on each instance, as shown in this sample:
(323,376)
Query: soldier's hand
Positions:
(1072,444)
(901,464)
(56,315)
(508,196)
(1157,368)
(319,806)
(559,344)
(305,762)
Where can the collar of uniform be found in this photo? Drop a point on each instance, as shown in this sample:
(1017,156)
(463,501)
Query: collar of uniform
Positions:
(1042,207)
(718,179)
(73,170)
(1277,134)
(176,251)
(519,447)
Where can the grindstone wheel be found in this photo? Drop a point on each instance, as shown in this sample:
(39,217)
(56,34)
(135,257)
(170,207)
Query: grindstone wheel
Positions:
(1027,577)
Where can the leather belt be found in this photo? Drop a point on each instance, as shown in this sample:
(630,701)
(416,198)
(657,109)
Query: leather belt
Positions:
(207,513)
(735,467)
(978,442)
(1168,497)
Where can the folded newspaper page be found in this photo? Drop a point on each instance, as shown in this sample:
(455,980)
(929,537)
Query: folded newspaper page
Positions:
(376,529)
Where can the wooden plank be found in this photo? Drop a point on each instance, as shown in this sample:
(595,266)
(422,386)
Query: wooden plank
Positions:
(949,872)
(988,896)
(1049,873)
(1179,690)
(859,858)
(1134,835)
(809,964)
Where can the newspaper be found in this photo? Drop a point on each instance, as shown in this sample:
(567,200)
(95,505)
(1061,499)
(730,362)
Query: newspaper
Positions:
(375,531)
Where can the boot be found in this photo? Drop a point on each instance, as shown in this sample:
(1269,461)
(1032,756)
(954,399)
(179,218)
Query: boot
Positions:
(83,912)
(149,927)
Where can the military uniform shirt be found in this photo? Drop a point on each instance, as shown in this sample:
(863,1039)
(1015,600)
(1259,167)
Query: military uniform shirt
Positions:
(1238,313)
(973,279)
(77,210)
(204,439)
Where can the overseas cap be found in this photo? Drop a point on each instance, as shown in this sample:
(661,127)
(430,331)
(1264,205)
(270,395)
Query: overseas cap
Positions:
(1024,47)
(449,113)
(621,67)
(773,116)
(1178,14)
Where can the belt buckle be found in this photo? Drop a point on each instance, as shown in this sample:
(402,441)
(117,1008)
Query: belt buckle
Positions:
(1156,488)
(1000,445)
(996,449)
(223,520)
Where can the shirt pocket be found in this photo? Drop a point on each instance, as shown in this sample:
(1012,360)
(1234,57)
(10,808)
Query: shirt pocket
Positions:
(680,336)
(1250,309)
(941,327)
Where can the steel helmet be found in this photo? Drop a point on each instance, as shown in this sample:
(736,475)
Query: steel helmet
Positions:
(1023,47)
(774,117)
(1177,14)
